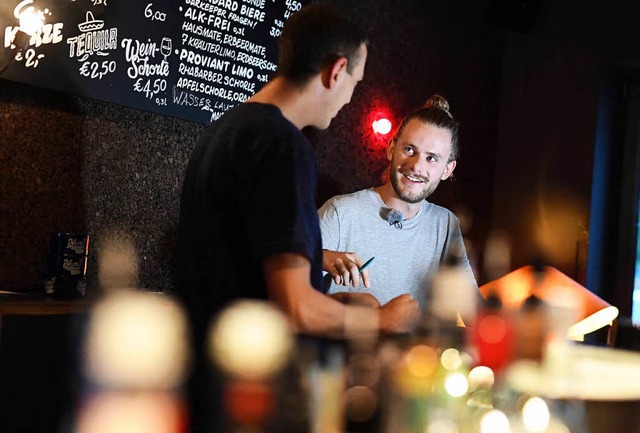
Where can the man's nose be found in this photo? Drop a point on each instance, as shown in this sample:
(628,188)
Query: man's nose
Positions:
(417,164)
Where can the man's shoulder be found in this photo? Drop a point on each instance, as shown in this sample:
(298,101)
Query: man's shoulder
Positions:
(257,115)
(346,201)
(437,211)
(258,126)
(356,206)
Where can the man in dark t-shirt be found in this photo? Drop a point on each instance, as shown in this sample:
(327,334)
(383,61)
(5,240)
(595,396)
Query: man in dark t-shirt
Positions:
(248,195)
(248,221)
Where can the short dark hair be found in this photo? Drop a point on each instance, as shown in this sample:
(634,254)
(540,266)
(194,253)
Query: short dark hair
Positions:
(435,112)
(315,37)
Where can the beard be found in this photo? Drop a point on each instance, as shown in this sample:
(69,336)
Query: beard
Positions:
(428,187)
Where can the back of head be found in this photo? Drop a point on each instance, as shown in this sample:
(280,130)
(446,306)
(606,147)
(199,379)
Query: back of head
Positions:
(315,37)
(435,112)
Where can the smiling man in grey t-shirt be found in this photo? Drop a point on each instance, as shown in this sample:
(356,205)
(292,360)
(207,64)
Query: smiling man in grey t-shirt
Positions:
(409,237)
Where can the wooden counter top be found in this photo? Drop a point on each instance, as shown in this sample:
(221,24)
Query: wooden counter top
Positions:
(40,304)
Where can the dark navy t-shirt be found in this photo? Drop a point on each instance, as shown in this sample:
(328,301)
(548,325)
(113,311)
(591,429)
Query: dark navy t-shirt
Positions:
(248,193)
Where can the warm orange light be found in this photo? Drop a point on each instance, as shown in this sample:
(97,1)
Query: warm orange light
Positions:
(422,361)
(592,312)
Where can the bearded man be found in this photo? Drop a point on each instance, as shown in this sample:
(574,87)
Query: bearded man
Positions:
(409,237)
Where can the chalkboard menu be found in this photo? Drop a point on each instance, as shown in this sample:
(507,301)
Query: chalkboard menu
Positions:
(192,59)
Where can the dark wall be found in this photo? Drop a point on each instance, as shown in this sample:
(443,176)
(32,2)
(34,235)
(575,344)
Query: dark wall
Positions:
(550,112)
(75,164)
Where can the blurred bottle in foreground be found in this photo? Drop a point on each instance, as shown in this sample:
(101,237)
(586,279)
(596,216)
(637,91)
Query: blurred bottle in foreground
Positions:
(250,343)
(135,362)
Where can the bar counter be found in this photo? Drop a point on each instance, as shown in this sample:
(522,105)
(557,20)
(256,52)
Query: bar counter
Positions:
(39,304)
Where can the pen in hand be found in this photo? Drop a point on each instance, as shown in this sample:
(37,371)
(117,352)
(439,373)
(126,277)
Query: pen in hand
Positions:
(328,278)
(367,263)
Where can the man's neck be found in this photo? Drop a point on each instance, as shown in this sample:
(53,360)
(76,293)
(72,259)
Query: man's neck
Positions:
(391,199)
(294,101)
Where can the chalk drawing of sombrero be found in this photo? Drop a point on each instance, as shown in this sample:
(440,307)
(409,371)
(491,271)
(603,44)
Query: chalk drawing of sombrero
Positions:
(90,24)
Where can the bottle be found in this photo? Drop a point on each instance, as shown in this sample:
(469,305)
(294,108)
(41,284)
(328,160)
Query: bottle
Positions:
(451,308)
(492,335)
(531,323)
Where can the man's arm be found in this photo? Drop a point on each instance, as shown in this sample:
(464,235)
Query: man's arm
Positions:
(356,298)
(343,266)
(287,279)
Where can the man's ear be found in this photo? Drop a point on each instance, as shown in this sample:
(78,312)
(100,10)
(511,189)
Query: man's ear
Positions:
(331,73)
(448,171)
(390,147)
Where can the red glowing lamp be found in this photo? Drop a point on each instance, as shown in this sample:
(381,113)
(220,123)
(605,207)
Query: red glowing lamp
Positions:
(381,126)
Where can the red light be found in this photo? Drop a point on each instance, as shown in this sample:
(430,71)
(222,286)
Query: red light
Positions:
(492,334)
(249,403)
(381,126)
(492,329)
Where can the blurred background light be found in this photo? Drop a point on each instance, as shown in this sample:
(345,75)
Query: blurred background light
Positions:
(249,403)
(137,340)
(456,384)
(422,361)
(360,402)
(442,426)
(492,329)
(119,412)
(250,339)
(535,415)
(495,421)
(31,20)
(451,359)
(481,376)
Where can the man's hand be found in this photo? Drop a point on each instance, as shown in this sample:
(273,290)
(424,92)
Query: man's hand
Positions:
(399,315)
(343,267)
(362,299)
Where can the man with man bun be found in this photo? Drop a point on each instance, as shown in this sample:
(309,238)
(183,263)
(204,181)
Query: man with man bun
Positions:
(409,237)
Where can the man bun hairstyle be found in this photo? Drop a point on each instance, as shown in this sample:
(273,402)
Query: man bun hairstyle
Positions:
(435,112)
(437,101)
(315,37)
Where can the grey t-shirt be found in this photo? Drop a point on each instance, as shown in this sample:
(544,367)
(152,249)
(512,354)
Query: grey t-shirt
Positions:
(405,258)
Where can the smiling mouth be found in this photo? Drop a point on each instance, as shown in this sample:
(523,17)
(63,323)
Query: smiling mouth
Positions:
(414,179)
